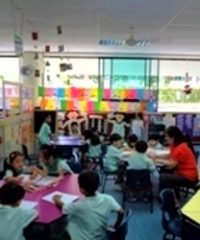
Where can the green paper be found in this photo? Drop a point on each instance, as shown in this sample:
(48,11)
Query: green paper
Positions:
(41,91)
(63,104)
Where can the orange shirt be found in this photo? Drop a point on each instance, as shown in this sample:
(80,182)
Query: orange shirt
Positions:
(187,164)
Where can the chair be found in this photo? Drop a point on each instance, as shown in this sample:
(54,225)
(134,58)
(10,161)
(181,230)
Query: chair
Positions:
(171,219)
(190,230)
(121,232)
(32,159)
(139,180)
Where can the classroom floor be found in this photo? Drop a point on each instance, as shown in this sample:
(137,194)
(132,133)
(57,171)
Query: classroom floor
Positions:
(143,225)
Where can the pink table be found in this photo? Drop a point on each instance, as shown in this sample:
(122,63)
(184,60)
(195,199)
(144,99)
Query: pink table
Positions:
(48,212)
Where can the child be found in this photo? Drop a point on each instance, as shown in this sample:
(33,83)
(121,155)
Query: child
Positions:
(154,143)
(114,154)
(119,124)
(75,129)
(15,167)
(139,160)
(132,140)
(94,150)
(45,133)
(88,217)
(13,219)
(52,165)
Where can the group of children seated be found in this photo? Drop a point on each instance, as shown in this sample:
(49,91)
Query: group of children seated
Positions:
(94,224)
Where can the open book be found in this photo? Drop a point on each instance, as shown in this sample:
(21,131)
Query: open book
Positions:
(39,181)
(65,198)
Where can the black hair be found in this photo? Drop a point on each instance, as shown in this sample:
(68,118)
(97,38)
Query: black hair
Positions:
(48,115)
(95,140)
(175,133)
(154,137)
(47,151)
(87,134)
(13,155)
(74,124)
(132,138)
(11,194)
(115,137)
(89,181)
(141,146)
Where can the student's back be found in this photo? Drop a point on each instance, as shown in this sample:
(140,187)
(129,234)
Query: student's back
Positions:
(88,218)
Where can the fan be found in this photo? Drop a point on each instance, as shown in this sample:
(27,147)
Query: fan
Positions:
(130,41)
(26,70)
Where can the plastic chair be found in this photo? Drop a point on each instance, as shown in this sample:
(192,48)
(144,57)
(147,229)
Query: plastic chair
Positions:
(121,232)
(171,219)
(139,180)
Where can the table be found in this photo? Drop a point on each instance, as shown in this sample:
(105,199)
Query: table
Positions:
(191,209)
(158,152)
(48,212)
(67,141)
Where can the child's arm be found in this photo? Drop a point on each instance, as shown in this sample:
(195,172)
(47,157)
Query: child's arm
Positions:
(126,124)
(110,121)
(36,171)
(9,177)
(120,216)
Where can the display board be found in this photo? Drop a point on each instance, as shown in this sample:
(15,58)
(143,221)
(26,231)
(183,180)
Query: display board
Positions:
(179,86)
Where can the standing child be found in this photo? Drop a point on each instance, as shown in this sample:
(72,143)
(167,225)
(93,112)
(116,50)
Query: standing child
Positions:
(94,150)
(88,217)
(45,133)
(52,165)
(13,219)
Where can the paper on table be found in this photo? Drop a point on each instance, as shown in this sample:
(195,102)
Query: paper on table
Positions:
(65,198)
(27,204)
(39,181)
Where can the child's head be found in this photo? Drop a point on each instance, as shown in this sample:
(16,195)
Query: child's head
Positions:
(153,140)
(48,118)
(95,140)
(88,182)
(119,117)
(46,154)
(141,146)
(132,139)
(11,194)
(16,161)
(74,126)
(116,140)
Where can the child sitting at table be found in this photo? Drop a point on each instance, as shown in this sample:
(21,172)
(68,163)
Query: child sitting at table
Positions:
(94,150)
(139,160)
(88,217)
(51,165)
(132,140)
(153,142)
(114,153)
(15,168)
(13,219)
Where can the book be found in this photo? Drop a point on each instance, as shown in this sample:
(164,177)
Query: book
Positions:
(65,197)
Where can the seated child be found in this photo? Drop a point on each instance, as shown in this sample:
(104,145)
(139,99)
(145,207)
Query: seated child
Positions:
(114,153)
(132,139)
(15,167)
(94,150)
(88,217)
(139,160)
(13,219)
(154,143)
(51,165)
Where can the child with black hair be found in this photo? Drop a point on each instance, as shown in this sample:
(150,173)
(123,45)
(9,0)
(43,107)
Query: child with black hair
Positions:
(154,143)
(51,165)
(94,150)
(132,140)
(13,219)
(15,168)
(88,217)
(114,153)
(75,129)
(139,160)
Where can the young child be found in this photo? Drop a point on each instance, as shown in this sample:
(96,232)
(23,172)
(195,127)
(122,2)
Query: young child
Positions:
(75,129)
(88,217)
(15,167)
(45,133)
(51,165)
(139,160)
(132,140)
(94,150)
(154,143)
(114,153)
(13,219)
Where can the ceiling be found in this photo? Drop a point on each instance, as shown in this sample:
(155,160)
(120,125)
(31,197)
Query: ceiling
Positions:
(171,26)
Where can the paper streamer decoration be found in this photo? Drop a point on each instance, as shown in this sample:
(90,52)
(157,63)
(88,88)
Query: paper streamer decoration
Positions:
(49,92)
(139,94)
(83,106)
(107,94)
(40,91)
(90,106)
(63,105)
(68,93)
(60,92)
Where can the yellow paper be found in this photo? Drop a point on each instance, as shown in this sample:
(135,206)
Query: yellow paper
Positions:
(93,93)
(83,106)
(104,107)
(123,107)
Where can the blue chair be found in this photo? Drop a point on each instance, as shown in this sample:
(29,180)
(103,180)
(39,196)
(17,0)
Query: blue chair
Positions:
(139,181)
(171,219)
(120,233)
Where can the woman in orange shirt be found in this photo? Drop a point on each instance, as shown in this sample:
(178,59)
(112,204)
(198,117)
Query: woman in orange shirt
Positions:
(182,160)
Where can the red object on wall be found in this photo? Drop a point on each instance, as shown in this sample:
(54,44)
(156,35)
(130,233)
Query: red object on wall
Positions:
(47,48)
(35,36)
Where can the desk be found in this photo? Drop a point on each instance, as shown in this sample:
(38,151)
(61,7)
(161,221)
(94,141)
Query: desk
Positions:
(48,212)
(158,152)
(191,209)
(67,141)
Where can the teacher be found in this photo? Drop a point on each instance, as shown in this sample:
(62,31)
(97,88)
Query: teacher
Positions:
(181,160)
(45,133)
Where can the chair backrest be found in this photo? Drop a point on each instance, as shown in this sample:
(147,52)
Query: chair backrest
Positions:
(121,232)
(168,207)
(138,178)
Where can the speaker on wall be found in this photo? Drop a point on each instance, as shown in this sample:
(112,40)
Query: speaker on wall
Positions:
(39,118)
